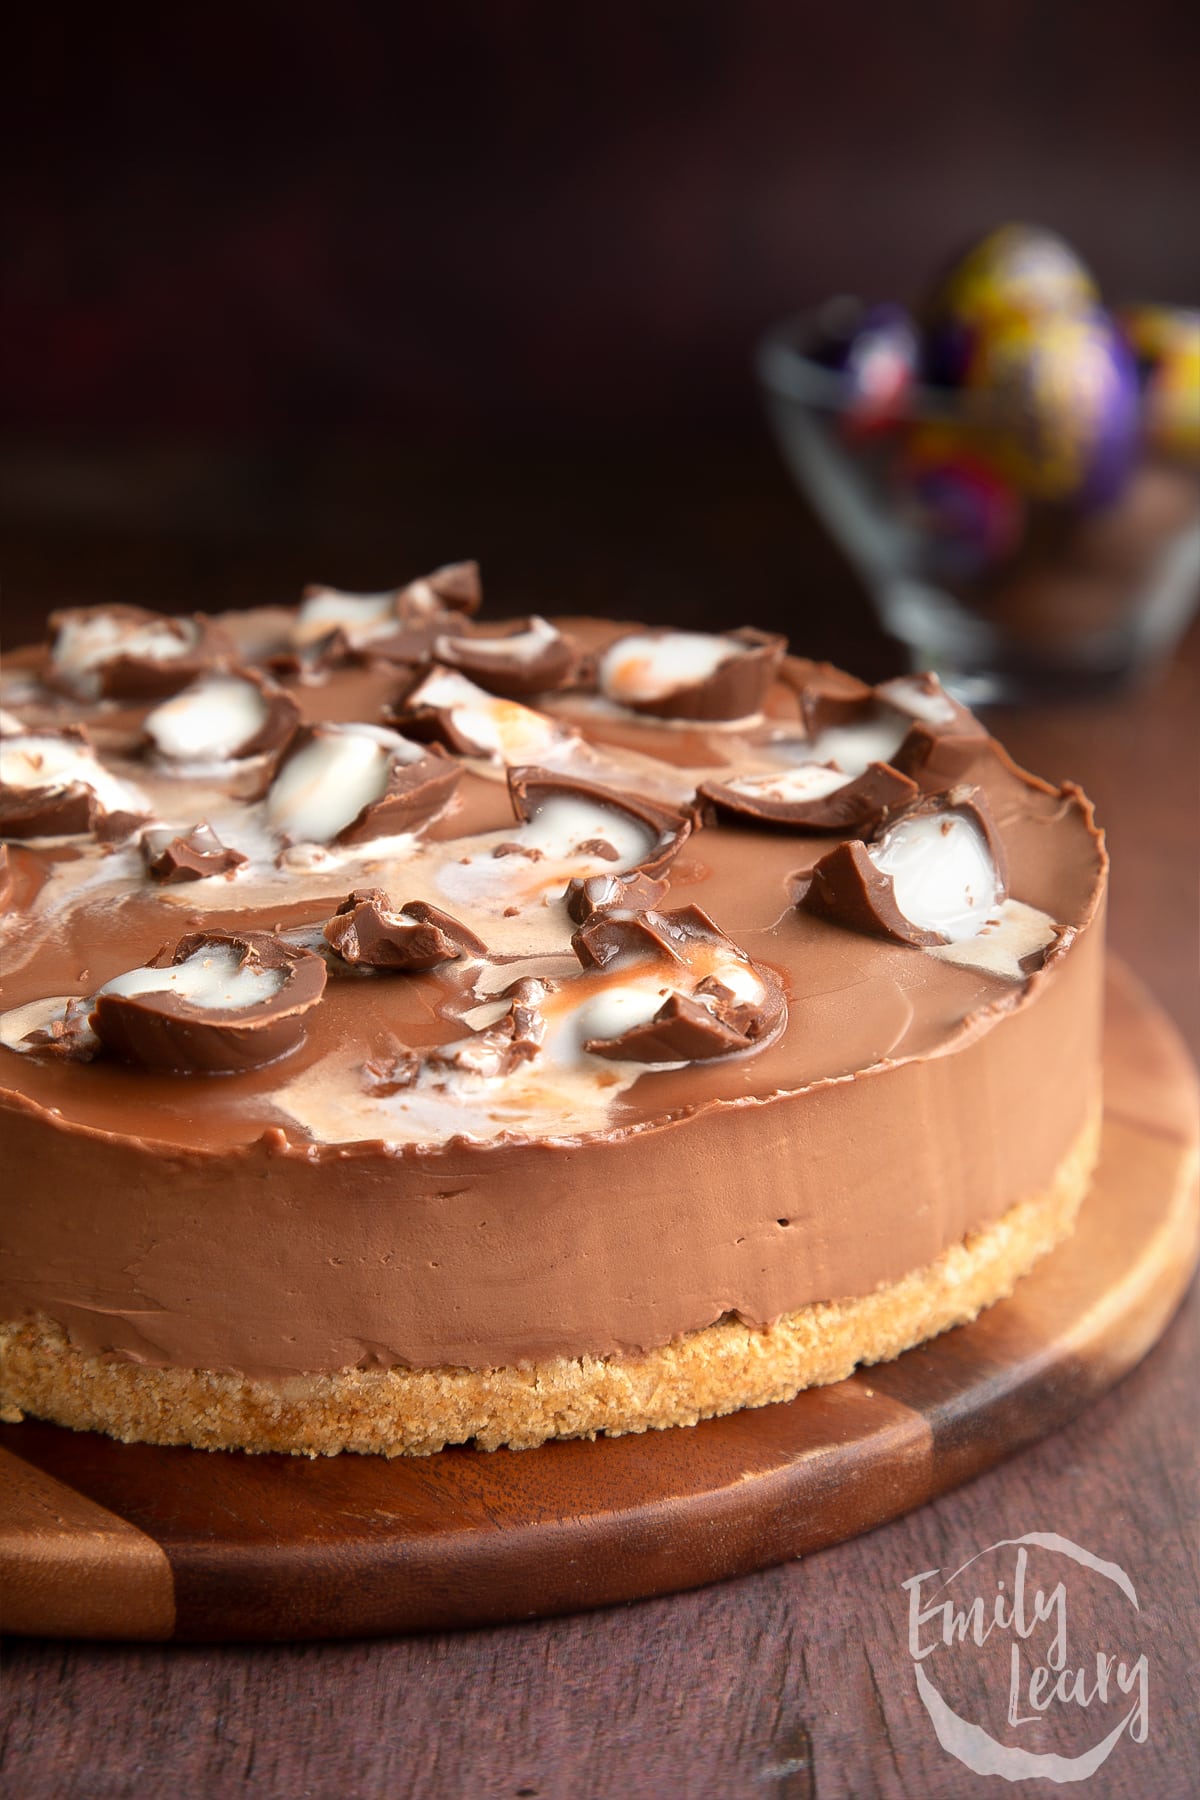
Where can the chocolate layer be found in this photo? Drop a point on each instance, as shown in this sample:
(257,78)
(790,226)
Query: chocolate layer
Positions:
(561,1209)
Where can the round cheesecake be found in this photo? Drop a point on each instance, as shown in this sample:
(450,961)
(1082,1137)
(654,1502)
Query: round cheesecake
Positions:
(419,1030)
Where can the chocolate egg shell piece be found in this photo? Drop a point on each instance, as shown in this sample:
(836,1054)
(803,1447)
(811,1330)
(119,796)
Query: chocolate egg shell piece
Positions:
(529,788)
(500,1048)
(269,738)
(847,888)
(735,689)
(171,858)
(590,894)
(415,792)
(128,675)
(69,1039)
(542,658)
(367,932)
(681,1031)
(62,808)
(863,801)
(164,1030)
(668,936)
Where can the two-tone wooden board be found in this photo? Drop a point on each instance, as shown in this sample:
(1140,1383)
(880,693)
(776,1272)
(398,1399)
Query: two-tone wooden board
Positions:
(107,1540)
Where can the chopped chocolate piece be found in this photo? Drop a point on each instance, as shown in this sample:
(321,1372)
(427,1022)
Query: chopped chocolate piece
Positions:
(127,653)
(944,739)
(690,675)
(348,784)
(530,657)
(611,934)
(399,625)
(847,889)
(955,889)
(67,1039)
(712,1019)
(8,880)
(367,932)
(682,1030)
(192,857)
(811,797)
(531,789)
(500,1048)
(390,1074)
(234,1001)
(53,785)
(224,716)
(827,696)
(596,893)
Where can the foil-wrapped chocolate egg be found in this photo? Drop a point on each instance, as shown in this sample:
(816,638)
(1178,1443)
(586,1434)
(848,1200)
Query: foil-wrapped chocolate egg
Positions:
(1166,342)
(972,515)
(876,349)
(1060,396)
(1014,276)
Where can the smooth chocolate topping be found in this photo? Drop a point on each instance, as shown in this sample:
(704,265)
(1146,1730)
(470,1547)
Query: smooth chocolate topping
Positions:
(193,856)
(367,932)
(528,657)
(864,800)
(591,894)
(530,789)
(164,1029)
(848,887)
(120,664)
(734,689)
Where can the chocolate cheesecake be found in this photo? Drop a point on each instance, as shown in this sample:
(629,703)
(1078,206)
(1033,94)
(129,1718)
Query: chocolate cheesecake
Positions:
(419,1031)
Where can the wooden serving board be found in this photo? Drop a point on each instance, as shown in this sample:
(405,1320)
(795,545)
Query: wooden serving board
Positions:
(107,1540)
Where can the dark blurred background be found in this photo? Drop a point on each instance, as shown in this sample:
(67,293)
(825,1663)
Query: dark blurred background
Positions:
(335,292)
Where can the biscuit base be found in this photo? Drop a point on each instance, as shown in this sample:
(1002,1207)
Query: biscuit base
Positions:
(395,1412)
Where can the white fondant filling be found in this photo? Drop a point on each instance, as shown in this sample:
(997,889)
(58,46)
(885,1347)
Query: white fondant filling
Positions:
(642,667)
(481,878)
(361,616)
(497,728)
(212,718)
(854,747)
(522,646)
(36,1015)
(212,978)
(808,781)
(84,645)
(942,873)
(61,763)
(1009,933)
(912,696)
(325,785)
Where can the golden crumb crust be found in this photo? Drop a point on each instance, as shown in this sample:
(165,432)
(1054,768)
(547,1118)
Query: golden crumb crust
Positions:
(414,1412)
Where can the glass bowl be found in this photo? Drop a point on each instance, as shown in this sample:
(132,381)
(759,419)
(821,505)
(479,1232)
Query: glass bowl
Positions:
(1009,599)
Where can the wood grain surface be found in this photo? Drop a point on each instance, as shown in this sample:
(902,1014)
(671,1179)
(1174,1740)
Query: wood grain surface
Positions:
(107,1540)
(792,1682)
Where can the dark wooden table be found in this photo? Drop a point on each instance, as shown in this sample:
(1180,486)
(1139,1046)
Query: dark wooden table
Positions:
(790,1683)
